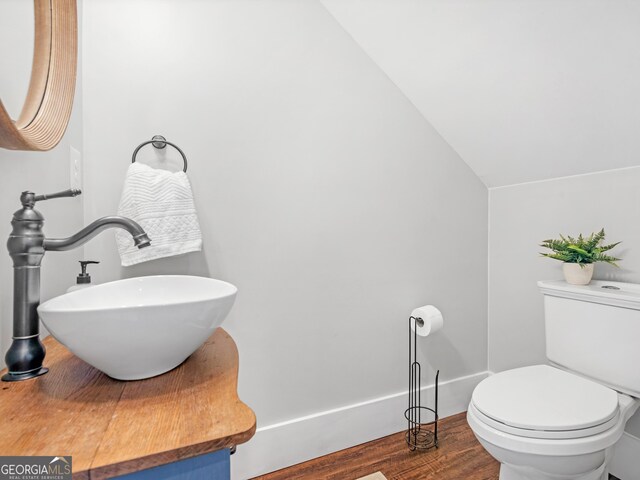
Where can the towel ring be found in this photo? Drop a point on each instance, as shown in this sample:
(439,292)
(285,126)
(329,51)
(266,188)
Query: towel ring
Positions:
(160,142)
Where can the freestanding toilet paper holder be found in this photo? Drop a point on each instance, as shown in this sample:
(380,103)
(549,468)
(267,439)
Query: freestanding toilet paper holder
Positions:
(420,435)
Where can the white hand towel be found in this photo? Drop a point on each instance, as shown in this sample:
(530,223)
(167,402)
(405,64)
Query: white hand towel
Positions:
(162,203)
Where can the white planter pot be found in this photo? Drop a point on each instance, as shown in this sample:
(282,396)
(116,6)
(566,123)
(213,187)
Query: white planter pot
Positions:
(577,275)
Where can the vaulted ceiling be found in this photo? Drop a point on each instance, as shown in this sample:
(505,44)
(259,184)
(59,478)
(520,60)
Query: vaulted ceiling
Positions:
(523,90)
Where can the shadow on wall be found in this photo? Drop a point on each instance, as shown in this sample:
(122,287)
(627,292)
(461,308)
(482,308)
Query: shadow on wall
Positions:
(604,271)
(437,351)
(188,264)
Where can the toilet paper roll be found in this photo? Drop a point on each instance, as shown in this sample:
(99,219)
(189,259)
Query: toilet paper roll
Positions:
(431,320)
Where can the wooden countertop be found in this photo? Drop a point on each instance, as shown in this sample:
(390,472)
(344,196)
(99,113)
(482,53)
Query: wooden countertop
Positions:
(112,427)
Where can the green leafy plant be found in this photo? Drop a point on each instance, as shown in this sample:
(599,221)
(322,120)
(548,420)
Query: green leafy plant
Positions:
(580,250)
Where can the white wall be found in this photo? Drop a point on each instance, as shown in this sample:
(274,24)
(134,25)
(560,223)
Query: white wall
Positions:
(522,90)
(323,194)
(16,28)
(523,215)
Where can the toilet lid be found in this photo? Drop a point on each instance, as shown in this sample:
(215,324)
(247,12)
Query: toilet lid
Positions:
(544,398)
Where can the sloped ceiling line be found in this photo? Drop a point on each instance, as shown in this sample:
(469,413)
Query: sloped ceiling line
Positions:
(523,90)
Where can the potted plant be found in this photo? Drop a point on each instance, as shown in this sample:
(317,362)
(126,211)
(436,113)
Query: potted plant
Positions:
(579,255)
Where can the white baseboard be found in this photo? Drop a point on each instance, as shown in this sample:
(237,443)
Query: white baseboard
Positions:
(625,464)
(287,443)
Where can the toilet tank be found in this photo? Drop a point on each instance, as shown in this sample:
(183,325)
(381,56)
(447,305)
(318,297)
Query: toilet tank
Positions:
(594,331)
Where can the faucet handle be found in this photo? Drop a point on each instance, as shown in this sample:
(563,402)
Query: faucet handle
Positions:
(28,199)
(72,192)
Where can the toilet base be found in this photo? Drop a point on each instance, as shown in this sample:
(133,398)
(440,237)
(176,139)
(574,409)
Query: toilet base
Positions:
(519,472)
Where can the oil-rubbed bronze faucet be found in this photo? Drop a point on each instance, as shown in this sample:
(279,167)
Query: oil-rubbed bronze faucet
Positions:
(27,245)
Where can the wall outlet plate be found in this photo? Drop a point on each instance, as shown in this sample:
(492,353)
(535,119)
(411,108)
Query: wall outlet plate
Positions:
(75,168)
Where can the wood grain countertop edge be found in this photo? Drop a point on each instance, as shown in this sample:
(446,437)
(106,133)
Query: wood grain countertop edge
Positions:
(163,458)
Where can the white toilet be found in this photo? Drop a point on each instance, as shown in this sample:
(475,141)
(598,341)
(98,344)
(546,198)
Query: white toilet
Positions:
(561,422)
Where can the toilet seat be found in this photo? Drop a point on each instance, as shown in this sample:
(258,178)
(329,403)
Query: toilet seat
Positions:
(544,434)
(552,447)
(546,403)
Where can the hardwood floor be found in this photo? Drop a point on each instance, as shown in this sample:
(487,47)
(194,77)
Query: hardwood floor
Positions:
(459,457)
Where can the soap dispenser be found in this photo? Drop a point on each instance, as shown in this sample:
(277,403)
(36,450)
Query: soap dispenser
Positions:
(84,279)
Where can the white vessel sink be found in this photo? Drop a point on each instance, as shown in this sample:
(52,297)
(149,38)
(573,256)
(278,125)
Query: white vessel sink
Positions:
(139,327)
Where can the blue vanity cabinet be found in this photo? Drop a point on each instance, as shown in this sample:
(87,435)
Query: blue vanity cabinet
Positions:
(211,466)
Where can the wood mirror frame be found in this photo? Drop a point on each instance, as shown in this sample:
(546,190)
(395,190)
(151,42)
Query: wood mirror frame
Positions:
(49,101)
